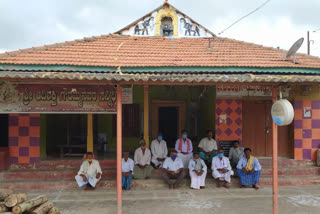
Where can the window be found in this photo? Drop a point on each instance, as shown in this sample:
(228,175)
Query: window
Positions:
(130,121)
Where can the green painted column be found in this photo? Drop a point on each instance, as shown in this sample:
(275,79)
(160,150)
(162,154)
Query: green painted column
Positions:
(43,135)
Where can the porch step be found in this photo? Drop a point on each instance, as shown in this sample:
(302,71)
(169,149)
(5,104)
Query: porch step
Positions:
(59,164)
(75,164)
(151,183)
(110,173)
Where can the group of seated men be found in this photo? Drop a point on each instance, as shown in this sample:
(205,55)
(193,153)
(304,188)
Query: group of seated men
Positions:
(248,167)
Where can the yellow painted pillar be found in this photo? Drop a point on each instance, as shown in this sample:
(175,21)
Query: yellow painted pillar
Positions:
(90,134)
(146,115)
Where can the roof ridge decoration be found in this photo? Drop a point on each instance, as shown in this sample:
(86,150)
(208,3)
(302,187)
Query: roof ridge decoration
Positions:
(183,25)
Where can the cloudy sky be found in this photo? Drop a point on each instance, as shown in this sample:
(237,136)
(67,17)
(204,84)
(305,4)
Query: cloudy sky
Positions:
(30,23)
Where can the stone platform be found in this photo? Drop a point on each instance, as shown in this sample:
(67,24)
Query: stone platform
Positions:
(60,174)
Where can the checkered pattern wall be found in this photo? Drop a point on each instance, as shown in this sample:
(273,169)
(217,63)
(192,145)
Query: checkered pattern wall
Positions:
(229,119)
(306,129)
(24,138)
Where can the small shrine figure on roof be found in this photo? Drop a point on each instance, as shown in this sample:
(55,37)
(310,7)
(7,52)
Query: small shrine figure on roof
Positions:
(167,30)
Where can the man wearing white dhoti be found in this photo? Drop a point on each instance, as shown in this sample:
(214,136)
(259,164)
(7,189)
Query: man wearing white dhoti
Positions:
(159,151)
(89,174)
(198,172)
(142,158)
(221,169)
(184,148)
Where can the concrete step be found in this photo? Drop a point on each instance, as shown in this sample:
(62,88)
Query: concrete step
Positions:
(75,164)
(30,174)
(59,164)
(284,162)
(151,183)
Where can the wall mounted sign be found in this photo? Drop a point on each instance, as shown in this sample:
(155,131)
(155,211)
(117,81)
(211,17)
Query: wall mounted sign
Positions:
(126,95)
(282,112)
(37,98)
(307,112)
(246,91)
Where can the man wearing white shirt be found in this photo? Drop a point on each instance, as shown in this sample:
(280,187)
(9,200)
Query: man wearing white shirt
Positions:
(221,169)
(184,148)
(159,151)
(198,172)
(90,173)
(208,147)
(173,168)
(127,171)
(142,158)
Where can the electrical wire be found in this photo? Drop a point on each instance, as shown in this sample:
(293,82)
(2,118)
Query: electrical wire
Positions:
(258,8)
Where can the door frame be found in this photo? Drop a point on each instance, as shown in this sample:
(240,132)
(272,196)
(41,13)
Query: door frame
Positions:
(156,104)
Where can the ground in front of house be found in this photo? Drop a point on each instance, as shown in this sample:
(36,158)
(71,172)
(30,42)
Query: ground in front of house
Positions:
(302,200)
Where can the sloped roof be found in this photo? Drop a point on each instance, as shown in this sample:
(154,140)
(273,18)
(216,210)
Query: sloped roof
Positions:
(127,51)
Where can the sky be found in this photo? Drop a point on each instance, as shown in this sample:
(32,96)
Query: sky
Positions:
(31,23)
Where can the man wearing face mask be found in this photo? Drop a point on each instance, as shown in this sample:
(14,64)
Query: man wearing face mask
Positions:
(198,172)
(184,148)
(159,151)
(221,170)
(173,169)
(89,174)
(142,158)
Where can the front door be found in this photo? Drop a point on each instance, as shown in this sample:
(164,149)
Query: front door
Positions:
(257,130)
(168,116)
(168,124)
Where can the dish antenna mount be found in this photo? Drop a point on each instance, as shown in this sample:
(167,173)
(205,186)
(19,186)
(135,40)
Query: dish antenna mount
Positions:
(294,48)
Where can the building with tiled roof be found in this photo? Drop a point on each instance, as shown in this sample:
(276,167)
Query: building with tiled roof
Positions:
(175,74)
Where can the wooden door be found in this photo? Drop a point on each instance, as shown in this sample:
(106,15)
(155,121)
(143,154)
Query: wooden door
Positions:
(285,148)
(257,130)
(254,127)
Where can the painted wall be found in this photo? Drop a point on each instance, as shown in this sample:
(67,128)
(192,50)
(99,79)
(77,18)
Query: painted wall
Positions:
(205,106)
(229,119)
(24,138)
(149,25)
(306,122)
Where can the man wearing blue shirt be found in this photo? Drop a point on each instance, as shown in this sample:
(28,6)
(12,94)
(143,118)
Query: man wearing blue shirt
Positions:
(249,170)
(173,169)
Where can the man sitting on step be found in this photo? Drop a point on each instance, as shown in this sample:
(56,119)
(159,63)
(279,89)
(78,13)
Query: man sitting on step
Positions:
(173,168)
(208,147)
(221,169)
(249,170)
(184,148)
(159,151)
(142,158)
(89,174)
(127,166)
(198,172)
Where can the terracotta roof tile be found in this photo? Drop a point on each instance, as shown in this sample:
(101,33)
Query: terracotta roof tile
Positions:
(127,51)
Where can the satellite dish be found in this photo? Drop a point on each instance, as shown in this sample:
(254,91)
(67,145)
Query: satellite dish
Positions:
(294,48)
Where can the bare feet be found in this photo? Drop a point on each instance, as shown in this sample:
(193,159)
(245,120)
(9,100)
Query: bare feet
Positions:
(218,183)
(226,185)
(255,187)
